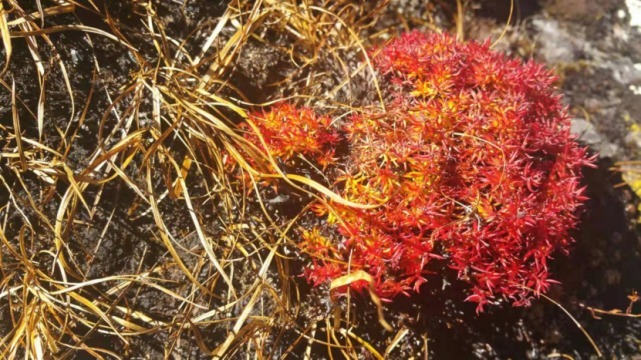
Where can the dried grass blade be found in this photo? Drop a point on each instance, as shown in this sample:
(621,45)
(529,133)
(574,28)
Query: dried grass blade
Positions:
(49,338)
(327,192)
(58,232)
(136,315)
(507,25)
(126,279)
(82,28)
(358,41)
(131,139)
(38,351)
(397,339)
(220,350)
(32,44)
(361,275)
(53,10)
(165,235)
(184,171)
(362,341)
(201,234)
(77,189)
(213,36)
(96,311)
(575,321)
(233,45)
(6,37)
(16,126)
(17,334)
(41,13)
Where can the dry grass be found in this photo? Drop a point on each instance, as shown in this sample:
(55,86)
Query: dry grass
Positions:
(162,140)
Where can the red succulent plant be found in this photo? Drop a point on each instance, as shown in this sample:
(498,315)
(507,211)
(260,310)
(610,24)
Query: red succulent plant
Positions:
(473,163)
(289,131)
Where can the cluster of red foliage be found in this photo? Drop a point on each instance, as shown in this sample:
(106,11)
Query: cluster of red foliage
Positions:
(289,131)
(473,163)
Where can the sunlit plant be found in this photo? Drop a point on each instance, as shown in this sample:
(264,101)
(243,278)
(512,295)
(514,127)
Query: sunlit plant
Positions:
(289,131)
(472,161)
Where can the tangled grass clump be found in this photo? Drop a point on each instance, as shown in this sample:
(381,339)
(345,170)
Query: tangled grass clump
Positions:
(474,165)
